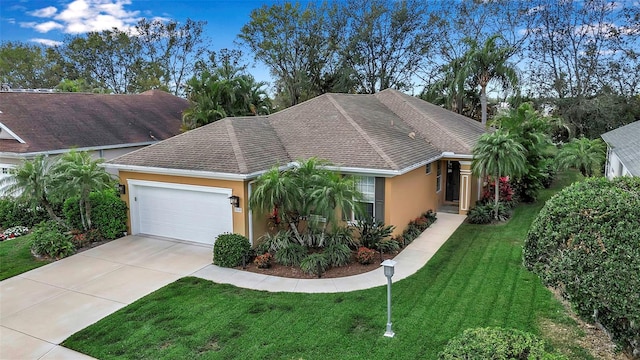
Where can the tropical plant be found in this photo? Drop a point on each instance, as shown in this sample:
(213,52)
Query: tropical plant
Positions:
(481,213)
(273,242)
(372,231)
(583,154)
(500,155)
(488,62)
(337,254)
(388,246)
(291,254)
(316,263)
(31,182)
(229,249)
(226,91)
(531,130)
(308,192)
(78,174)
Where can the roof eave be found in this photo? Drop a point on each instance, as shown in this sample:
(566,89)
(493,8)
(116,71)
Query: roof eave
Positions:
(86,148)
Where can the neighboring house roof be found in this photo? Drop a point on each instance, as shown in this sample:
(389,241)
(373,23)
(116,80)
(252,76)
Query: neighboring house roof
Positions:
(625,142)
(54,122)
(387,132)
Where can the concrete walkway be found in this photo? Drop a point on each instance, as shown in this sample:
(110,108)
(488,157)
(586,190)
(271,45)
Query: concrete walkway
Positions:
(41,308)
(409,261)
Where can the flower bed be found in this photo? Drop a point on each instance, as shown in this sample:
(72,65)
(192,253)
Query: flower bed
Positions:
(13,232)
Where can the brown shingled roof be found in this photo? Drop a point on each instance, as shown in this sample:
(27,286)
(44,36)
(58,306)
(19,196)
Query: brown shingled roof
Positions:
(386,131)
(59,121)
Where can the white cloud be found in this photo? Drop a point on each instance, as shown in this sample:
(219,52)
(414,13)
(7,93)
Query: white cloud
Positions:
(46,42)
(81,16)
(45,27)
(49,11)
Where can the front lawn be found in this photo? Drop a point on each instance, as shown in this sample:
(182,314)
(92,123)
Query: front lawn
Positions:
(475,280)
(16,257)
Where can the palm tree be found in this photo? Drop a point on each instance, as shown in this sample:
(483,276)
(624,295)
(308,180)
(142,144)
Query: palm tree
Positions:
(32,182)
(500,155)
(583,154)
(483,64)
(77,174)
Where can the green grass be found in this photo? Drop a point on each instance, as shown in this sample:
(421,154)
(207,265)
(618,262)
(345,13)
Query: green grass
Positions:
(16,258)
(476,279)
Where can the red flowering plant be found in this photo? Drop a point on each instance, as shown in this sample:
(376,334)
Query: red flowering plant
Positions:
(365,255)
(505,189)
(263,261)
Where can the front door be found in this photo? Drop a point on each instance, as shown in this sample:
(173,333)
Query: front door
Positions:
(453,181)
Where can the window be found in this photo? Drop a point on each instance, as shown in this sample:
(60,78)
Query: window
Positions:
(439,177)
(366,186)
(428,169)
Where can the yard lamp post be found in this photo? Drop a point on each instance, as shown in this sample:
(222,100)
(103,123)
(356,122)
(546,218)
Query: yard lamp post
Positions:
(388,272)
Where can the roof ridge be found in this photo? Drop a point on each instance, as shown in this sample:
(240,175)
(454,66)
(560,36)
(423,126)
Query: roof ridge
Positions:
(235,145)
(362,133)
(431,120)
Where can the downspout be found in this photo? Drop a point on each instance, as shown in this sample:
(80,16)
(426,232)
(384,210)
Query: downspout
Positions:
(250,212)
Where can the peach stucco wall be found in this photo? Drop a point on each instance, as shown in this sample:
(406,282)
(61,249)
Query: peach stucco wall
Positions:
(409,195)
(239,188)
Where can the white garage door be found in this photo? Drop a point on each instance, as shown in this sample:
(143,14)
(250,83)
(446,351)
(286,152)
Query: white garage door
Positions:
(186,212)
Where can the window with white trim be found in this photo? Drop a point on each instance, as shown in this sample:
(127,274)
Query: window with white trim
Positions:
(439,177)
(367,186)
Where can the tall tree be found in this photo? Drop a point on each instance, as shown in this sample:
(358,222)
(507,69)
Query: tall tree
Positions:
(227,91)
(386,42)
(175,48)
(24,66)
(77,174)
(295,43)
(583,154)
(33,182)
(530,129)
(498,154)
(486,63)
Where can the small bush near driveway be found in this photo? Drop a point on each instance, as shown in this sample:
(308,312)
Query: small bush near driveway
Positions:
(229,249)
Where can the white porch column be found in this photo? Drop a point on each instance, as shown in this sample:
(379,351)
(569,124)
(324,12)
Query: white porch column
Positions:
(465,187)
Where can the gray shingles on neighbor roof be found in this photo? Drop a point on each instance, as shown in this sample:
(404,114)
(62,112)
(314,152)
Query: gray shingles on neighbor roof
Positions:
(60,121)
(385,131)
(625,142)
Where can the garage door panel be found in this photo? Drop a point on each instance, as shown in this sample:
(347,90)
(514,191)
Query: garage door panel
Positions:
(183,214)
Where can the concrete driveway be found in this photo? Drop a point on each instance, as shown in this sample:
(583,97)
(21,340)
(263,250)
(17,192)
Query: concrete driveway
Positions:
(41,308)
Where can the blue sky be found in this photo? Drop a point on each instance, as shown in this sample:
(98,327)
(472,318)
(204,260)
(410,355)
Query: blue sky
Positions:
(49,21)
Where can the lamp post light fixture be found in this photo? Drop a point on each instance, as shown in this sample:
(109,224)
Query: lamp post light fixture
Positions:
(388,272)
(234,200)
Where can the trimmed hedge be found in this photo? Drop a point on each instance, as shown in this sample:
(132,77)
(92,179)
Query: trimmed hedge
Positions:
(229,249)
(496,343)
(586,242)
(108,213)
(16,213)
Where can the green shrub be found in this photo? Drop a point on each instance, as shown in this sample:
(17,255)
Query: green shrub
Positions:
(482,213)
(371,231)
(272,243)
(291,255)
(341,235)
(496,343)
(388,246)
(17,213)
(229,249)
(417,226)
(108,213)
(365,255)
(50,240)
(586,242)
(337,254)
(315,264)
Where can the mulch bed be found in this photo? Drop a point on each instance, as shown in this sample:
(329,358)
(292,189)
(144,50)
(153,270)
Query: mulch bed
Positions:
(353,268)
